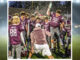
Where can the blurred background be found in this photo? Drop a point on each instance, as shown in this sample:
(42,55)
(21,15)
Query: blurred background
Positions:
(76,31)
(3,29)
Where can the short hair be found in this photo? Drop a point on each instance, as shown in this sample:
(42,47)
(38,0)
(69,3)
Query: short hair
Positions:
(58,11)
(16,14)
(32,16)
(22,13)
(37,18)
(27,14)
(46,18)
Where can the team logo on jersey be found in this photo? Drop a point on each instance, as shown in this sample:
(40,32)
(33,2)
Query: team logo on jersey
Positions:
(55,20)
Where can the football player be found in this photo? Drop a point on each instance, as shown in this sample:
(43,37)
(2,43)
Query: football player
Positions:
(39,42)
(15,36)
(56,24)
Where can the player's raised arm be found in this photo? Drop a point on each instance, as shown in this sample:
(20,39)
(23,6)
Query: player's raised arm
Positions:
(49,7)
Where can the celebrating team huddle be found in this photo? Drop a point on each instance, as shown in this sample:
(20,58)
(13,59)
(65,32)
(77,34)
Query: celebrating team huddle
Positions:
(37,33)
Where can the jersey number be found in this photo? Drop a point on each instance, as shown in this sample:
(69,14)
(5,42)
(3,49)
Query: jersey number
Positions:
(13,32)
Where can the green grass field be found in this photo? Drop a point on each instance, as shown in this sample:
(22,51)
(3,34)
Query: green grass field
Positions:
(76,47)
(55,55)
(3,48)
(3,52)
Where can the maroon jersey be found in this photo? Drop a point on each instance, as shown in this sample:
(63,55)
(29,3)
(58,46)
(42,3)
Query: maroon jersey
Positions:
(23,23)
(69,22)
(55,21)
(68,31)
(32,25)
(14,34)
(47,26)
(27,21)
(68,28)
(9,17)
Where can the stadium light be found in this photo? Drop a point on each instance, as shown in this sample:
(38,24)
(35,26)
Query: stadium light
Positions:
(77,26)
(76,1)
(1,1)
